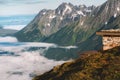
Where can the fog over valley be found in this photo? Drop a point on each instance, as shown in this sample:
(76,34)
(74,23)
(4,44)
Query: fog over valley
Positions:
(19,62)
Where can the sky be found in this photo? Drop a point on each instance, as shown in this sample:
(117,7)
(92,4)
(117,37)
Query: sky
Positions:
(25,7)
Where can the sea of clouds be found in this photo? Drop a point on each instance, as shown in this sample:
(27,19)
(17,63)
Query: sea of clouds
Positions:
(24,60)
(14,27)
(23,64)
(8,39)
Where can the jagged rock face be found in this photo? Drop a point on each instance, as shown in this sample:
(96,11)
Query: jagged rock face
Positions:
(102,20)
(48,22)
(108,11)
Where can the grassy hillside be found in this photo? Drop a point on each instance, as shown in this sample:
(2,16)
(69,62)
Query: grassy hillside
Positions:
(91,65)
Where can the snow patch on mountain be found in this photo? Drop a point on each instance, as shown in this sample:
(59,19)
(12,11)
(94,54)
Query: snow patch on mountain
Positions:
(48,24)
(44,13)
(88,10)
(118,9)
(82,23)
(67,10)
(115,15)
(61,18)
(52,16)
(80,13)
(106,23)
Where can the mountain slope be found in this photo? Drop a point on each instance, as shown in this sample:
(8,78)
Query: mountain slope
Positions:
(105,16)
(71,25)
(82,33)
(94,41)
(48,22)
(74,33)
(84,42)
(91,65)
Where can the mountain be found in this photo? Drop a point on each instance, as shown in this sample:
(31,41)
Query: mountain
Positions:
(71,30)
(91,65)
(106,16)
(83,31)
(7,32)
(1,26)
(80,32)
(48,22)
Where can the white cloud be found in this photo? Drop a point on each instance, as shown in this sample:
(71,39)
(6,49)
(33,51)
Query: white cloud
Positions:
(14,27)
(8,39)
(26,64)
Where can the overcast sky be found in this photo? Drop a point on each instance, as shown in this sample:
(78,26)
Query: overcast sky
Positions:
(21,7)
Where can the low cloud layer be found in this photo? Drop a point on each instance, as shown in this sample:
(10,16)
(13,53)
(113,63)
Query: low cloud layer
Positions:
(26,64)
(23,60)
(8,39)
(14,27)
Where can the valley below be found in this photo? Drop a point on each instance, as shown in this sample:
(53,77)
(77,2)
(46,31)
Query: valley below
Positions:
(25,60)
(59,43)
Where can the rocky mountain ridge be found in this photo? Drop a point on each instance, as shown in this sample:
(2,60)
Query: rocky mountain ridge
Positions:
(48,22)
(101,18)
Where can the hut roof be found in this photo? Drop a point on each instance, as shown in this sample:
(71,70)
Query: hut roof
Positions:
(111,32)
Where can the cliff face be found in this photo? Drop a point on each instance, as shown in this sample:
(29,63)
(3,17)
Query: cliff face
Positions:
(91,65)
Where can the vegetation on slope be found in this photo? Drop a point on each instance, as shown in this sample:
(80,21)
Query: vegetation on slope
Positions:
(74,33)
(91,65)
(61,54)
